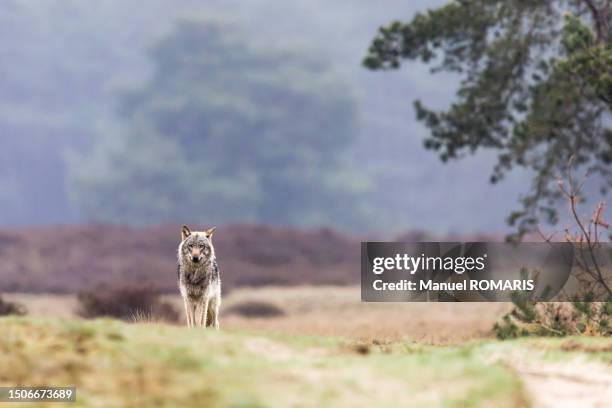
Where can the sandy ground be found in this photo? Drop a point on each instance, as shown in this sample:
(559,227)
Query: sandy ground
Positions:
(326,310)
(566,384)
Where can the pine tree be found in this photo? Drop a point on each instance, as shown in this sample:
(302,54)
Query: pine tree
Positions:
(536,86)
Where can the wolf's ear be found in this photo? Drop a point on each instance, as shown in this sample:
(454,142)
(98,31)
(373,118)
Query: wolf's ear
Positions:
(209,232)
(185,232)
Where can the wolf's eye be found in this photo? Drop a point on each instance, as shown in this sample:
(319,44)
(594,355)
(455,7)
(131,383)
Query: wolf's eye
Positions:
(201,245)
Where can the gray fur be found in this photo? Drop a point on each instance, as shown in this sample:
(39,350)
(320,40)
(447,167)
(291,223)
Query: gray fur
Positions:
(199,282)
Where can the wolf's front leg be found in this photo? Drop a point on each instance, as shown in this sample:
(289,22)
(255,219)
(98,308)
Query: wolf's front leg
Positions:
(187,311)
(203,312)
(192,308)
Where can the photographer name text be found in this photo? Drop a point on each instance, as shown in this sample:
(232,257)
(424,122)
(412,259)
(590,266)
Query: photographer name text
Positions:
(424,264)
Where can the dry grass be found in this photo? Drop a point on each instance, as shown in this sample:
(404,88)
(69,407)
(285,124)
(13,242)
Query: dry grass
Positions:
(273,362)
(113,364)
(329,311)
(334,311)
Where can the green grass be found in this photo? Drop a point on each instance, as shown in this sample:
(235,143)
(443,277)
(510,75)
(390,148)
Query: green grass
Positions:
(114,364)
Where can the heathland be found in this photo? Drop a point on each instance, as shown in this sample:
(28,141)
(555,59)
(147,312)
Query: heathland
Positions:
(294,331)
(134,365)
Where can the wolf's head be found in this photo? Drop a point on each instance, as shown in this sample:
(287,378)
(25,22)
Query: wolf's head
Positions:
(196,246)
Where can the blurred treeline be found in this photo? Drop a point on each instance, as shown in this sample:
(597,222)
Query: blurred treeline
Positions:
(220,111)
(225,129)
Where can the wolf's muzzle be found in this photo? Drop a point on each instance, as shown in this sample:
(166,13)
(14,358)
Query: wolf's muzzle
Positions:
(196,259)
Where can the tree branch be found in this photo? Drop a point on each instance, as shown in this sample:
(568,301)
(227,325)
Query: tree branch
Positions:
(597,19)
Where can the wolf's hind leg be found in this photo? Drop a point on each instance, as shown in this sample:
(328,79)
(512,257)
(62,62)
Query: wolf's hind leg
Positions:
(203,312)
(213,315)
(210,319)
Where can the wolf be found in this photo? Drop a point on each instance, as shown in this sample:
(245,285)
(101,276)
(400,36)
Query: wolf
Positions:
(199,278)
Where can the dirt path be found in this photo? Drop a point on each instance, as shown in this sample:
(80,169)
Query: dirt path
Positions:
(575,383)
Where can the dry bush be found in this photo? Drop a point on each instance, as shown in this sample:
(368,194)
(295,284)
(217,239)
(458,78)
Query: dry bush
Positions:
(129,303)
(255,308)
(11,308)
(262,280)
(590,312)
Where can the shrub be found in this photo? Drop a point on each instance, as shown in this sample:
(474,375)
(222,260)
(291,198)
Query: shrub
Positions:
(262,280)
(11,308)
(130,303)
(590,315)
(556,319)
(255,308)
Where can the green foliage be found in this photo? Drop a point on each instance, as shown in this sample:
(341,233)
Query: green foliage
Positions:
(524,313)
(226,129)
(530,91)
(583,317)
(593,317)
(507,329)
(525,310)
(588,61)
